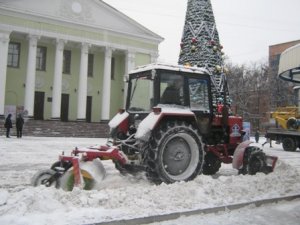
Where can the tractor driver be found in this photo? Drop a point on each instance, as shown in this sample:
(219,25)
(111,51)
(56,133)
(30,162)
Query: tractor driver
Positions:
(172,94)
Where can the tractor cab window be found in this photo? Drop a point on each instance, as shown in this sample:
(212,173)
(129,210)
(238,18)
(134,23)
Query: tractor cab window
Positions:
(171,89)
(141,95)
(199,95)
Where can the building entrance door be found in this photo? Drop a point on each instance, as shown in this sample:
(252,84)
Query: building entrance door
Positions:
(89,109)
(64,112)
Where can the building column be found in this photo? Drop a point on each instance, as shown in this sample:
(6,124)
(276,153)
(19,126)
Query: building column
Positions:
(154,57)
(105,110)
(4,43)
(57,80)
(82,86)
(30,75)
(129,65)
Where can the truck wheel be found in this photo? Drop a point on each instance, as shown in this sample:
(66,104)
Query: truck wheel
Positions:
(289,144)
(175,153)
(212,164)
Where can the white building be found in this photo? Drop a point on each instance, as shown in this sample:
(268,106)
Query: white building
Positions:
(66,59)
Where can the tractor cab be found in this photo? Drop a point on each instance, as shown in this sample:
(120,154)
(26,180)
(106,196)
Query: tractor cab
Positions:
(176,88)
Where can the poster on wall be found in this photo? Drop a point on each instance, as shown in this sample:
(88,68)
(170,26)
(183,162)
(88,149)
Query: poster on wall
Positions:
(247,129)
(10,109)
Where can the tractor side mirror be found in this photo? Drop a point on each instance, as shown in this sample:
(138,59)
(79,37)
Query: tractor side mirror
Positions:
(153,74)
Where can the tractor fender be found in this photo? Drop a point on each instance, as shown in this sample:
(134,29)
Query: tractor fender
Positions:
(238,156)
(153,119)
(118,119)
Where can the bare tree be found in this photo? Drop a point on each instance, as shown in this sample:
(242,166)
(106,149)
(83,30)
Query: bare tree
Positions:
(249,91)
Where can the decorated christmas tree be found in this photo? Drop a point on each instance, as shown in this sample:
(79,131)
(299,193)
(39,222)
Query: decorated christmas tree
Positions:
(200,45)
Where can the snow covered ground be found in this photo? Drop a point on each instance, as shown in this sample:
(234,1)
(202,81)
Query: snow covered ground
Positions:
(127,197)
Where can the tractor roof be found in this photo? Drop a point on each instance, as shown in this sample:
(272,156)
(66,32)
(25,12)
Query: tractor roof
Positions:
(155,66)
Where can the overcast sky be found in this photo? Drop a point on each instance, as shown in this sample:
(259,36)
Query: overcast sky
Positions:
(246,27)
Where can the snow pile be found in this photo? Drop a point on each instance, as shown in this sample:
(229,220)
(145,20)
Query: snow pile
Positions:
(125,199)
(120,197)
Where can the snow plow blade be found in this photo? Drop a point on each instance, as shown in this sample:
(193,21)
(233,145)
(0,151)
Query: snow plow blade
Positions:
(87,171)
(82,169)
(251,160)
(85,175)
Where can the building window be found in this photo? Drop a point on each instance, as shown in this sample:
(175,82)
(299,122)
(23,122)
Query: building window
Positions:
(112,71)
(13,59)
(90,65)
(41,54)
(67,62)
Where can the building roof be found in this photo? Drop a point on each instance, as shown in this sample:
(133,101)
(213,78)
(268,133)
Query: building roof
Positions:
(289,65)
(94,14)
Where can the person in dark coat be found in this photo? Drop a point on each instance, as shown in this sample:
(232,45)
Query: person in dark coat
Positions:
(19,125)
(257,136)
(8,125)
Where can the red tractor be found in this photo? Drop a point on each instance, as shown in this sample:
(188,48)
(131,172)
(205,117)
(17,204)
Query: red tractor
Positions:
(172,129)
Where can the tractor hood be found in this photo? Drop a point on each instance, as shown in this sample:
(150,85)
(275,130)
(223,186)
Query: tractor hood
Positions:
(118,119)
(161,111)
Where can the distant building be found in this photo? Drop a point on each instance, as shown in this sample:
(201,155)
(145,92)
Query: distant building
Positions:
(66,59)
(281,93)
(275,52)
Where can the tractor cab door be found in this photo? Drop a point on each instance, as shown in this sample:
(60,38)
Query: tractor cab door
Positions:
(200,101)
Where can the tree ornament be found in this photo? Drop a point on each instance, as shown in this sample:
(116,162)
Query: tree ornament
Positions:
(193,48)
(181,45)
(187,65)
(194,40)
(218,68)
(221,46)
(215,48)
(212,42)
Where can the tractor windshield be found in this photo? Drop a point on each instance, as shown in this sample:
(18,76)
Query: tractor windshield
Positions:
(141,94)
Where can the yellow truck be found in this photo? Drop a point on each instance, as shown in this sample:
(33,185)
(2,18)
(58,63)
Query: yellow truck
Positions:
(287,118)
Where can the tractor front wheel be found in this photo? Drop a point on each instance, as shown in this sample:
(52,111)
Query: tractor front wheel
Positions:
(175,153)
(212,164)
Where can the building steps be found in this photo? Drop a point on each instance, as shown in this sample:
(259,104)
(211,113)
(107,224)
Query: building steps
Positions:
(50,128)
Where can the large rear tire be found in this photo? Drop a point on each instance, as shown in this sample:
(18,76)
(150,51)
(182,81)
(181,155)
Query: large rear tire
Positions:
(175,153)
(289,144)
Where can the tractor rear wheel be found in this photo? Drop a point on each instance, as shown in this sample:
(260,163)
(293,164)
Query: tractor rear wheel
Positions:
(175,153)
(212,164)
(289,144)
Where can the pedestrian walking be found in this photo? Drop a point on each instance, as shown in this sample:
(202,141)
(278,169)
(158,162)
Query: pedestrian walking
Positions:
(19,125)
(8,125)
(268,140)
(257,136)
